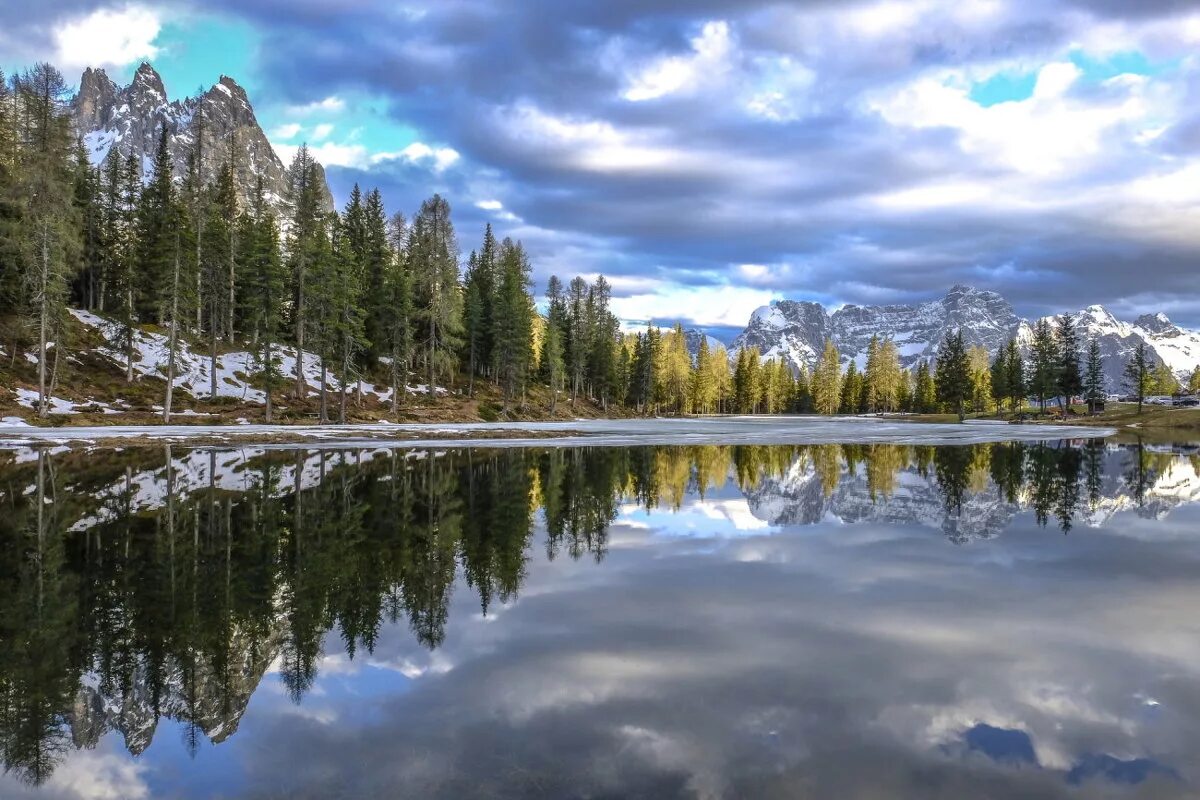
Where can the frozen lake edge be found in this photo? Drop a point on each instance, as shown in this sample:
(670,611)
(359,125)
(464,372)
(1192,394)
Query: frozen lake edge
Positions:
(608,433)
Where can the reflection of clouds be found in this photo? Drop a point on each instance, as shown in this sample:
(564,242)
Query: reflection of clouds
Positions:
(834,667)
(92,775)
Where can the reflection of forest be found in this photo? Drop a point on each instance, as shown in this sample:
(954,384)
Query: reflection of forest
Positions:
(130,590)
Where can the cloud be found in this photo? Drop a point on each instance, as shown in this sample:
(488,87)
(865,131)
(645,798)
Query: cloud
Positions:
(710,50)
(331,104)
(322,131)
(440,158)
(289,130)
(107,38)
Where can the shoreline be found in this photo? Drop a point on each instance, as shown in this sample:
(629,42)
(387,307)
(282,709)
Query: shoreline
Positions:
(712,430)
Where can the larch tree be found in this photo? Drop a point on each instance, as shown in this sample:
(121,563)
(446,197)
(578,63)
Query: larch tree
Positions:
(827,380)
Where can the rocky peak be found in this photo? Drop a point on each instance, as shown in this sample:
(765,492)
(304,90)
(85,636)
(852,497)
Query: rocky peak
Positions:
(96,98)
(1158,324)
(123,122)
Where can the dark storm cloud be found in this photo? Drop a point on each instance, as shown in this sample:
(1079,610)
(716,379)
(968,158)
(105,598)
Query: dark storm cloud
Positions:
(774,151)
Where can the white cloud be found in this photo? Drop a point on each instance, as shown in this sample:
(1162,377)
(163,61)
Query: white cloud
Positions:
(489,205)
(710,53)
(333,103)
(1045,134)
(440,158)
(322,131)
(700,305)
(289,130)
(92,775)
(107,38)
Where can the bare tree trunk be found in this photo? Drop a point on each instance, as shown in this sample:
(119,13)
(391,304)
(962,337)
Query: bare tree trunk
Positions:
(324,418)
(129,335)
(342,385)
(212,359)
(43,404)
(269,374)
(174,334)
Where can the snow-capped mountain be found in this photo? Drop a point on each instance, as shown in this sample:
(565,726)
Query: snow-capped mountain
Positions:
(693,336)
(116,121)
(796,331)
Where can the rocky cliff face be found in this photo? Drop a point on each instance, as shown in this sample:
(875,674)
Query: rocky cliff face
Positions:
(116,122)
(796,331)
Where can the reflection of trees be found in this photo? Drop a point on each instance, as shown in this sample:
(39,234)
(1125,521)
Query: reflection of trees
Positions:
(176,610)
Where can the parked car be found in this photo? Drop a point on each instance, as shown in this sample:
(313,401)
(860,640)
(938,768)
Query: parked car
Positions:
(1186,402)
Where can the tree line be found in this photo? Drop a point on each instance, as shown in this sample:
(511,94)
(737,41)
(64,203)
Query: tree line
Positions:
(341,296)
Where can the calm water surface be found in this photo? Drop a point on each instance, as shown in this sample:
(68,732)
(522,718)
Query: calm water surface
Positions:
(1004,620)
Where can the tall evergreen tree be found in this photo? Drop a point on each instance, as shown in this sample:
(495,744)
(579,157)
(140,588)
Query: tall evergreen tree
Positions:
(952,379)
(265,283)
(1070,376)
(827,381)
(433,259)
(1015,380)
(157,219)
(924,391)
(512,353)
(1046,363)
(1138,374)
(1093,381)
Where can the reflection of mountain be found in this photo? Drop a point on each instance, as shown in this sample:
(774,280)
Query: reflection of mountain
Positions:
(810,491)
(199,696)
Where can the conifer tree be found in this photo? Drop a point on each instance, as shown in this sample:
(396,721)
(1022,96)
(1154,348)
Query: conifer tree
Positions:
(924,391)
(433,260)
(263,269)
(306,219)
(952,378)
(802,401)
(1093,381)
(981,379)
(827,380)
(852,390)
(577,334)
(1015,379)
(1046,363)
(398,306)
(1138,374)
(157,216)
(47,232)
(1194,381)
(376,258)
(999,377)
(512,353)
(220,249)
(1070,376)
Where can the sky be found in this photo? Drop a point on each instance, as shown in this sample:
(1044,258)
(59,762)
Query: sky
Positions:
(710,156)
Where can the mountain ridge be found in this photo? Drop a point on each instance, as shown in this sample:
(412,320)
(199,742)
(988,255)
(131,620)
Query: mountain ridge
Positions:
(796,330)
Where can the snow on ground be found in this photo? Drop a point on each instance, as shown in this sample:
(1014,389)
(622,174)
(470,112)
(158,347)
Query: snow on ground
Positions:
(193,370)
(621,432)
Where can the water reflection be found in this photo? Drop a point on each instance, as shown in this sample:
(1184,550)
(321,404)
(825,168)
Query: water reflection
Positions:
(138,587)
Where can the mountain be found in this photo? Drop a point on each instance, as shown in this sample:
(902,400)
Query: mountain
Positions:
(692,338)
(116,121)
(796,331)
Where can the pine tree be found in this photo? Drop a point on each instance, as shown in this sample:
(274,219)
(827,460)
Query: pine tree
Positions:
(512,354)
(1194,381)
(603,339)
(1163,380)
(802,400)
(1046,366)
(924,391)
(1070,377)
(157,215)
(376,262)
(981,379)
(433,259)
(577,334)
(1093,382)
(398,318)
(827,380)
(48,230)
(1138,374)
(220,249)
(999,377)
(872,379)
(852,390)
(952,379)
(1015,380)
(263,270)
(304,199)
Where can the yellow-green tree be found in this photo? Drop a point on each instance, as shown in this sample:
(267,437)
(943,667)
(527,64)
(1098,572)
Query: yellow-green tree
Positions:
(980,367)
(826,384)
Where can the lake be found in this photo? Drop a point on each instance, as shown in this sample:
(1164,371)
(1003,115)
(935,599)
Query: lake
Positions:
(985,620)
